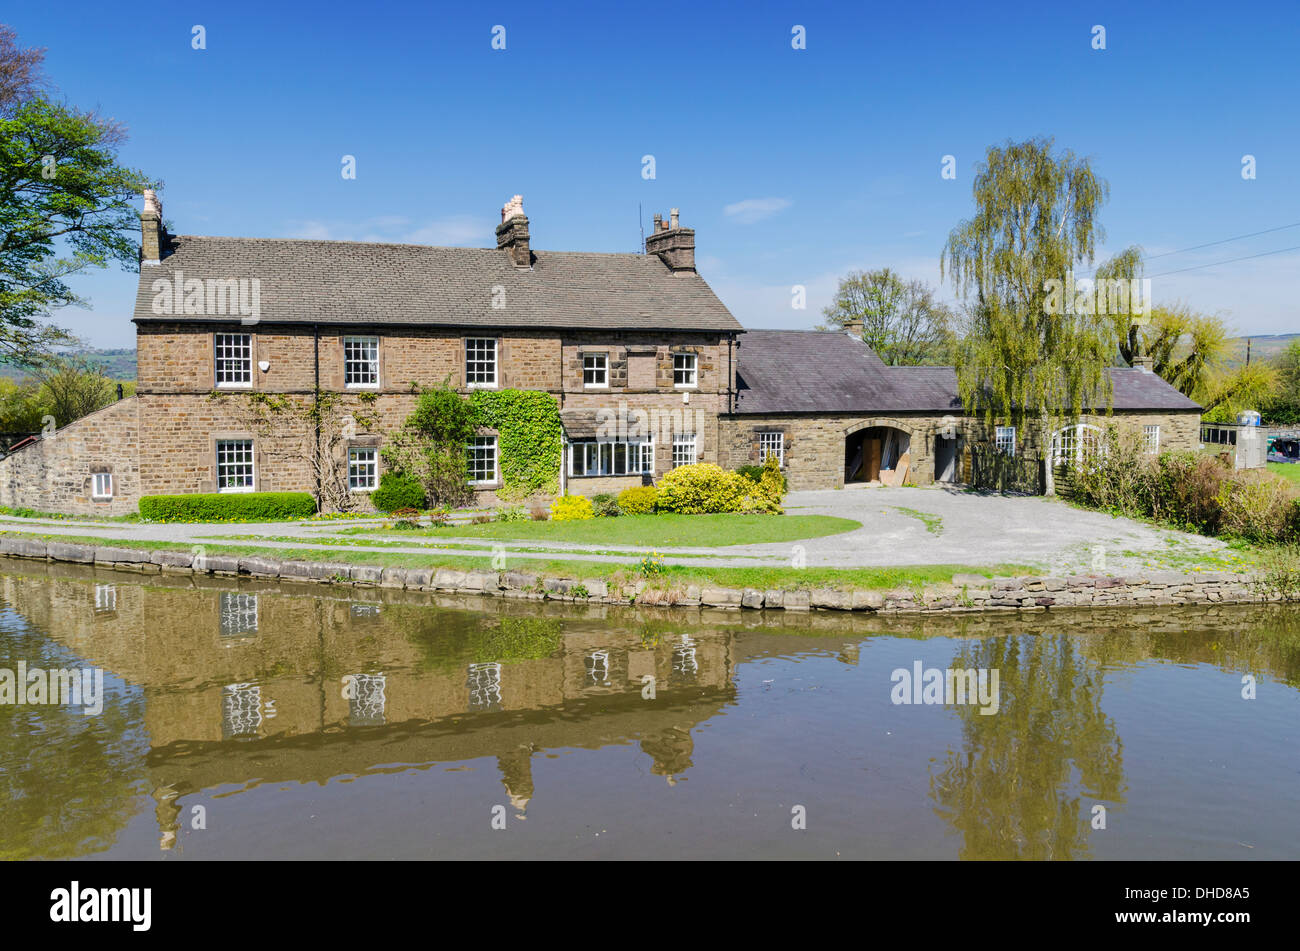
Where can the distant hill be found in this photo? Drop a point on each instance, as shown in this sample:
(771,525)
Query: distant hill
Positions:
(117,364)
(1262,347)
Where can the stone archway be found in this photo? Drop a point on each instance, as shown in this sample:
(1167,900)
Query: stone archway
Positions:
(878,452)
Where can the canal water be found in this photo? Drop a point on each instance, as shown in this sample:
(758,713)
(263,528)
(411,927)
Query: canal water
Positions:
(254,720)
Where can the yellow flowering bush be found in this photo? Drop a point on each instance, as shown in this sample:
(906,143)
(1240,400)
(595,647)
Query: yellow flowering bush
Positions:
(571,508)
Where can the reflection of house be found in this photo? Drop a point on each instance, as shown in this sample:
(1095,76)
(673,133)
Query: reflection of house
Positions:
(648,368)
(298,695)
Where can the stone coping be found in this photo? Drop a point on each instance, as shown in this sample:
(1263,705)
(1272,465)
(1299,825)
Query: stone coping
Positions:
(965,593)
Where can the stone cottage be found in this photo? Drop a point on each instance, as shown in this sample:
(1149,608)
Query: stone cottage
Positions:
(648,368)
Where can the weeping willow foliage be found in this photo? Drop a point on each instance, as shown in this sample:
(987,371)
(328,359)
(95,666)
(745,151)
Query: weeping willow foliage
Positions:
(1035,221)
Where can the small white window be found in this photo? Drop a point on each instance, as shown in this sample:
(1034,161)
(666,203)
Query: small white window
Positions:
(235,465)
(105,598)
(363,469)
(1004,440)
(591,458)
(685,371)
(234,358)
(683,449)
(771,444)
(361,361)
(481,361)
(1151,438)
(103,486)
(595,370)
(481,457)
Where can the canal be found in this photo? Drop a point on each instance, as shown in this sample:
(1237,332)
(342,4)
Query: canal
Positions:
(256,720)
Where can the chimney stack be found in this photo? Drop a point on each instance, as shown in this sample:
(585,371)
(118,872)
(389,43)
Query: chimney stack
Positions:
(512,233)
(151,229)
(853,326)
(674,244)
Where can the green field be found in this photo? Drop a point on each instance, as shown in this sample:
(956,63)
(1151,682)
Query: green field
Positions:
(1290,470)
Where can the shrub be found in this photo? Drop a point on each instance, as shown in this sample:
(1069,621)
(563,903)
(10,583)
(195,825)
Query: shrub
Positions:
(701,488)
(638,500)
(752,473)
(513,513)
(406,518)
(605,505)
(227,506)
(569,508)
(397,491)
(1255,505)
(538,514)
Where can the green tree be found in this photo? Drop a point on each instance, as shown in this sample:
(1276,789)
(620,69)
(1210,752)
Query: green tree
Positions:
(1036,219)
(430,446)
(66,204)
(1284,406)
(901,320)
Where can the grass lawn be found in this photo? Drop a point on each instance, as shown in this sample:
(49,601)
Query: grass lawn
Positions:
(651,531)
(1290,470)
(873,579)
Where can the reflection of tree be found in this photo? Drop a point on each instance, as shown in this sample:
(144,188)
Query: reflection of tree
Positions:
(448,639)
(1011,789)
(68,781)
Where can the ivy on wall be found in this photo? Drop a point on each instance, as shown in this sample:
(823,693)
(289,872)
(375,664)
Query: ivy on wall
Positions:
(529,439)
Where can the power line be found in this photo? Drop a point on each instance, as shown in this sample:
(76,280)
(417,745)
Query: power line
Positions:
(1210,244)
(1262,254)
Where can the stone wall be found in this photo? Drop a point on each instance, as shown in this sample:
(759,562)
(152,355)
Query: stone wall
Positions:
(964,593)
(56,473)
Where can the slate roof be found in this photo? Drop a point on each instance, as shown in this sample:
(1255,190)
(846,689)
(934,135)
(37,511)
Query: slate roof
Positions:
(356,283)
(810,371)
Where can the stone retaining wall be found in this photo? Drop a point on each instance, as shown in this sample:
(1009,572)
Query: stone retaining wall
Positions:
(966,592)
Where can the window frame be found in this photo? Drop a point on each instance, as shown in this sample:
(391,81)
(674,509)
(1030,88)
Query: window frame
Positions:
(1000,442)
(94,486)
(587,449)
(1152,446)
(469,359)
(470,447)
(252,465)
(603,356)
(694,380)
(681,439)
(218,360)
(372,362)
(763,451)
(374,468)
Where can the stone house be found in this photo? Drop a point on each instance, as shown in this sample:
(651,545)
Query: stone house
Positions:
(648,368)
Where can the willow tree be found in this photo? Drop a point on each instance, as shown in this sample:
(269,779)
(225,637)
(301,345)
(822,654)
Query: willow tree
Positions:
(1031,351)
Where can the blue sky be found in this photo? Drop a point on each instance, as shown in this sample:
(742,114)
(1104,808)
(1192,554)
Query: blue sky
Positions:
(794,166)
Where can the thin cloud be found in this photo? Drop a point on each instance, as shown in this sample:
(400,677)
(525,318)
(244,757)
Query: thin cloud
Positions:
(452,231)
(755,209)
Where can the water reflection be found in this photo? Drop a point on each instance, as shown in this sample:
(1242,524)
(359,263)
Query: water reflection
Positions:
(248,687)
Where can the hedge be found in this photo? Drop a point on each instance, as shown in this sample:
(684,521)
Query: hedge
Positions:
(227,506)
(397,491)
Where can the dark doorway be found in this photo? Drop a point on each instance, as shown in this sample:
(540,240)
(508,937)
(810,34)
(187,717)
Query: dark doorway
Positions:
(945,459)
(878,454)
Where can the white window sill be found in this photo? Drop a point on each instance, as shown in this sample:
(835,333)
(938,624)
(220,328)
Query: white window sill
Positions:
(480,386)
(595,386)
(229,491)
(235,386)
(361,386)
